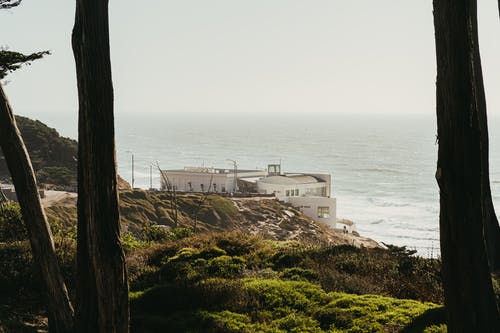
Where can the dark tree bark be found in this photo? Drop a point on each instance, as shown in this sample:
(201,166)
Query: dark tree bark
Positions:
(42,245)
(465,199)
(102,287)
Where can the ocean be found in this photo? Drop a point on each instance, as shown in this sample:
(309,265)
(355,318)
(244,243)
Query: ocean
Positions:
(382,166)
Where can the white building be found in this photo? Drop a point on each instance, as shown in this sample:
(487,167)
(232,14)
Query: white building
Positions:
(196,179)
(308,192)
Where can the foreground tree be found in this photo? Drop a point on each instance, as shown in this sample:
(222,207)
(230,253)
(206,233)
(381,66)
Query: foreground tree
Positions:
(466,212)
(102,287)
(42,246)
(60,310)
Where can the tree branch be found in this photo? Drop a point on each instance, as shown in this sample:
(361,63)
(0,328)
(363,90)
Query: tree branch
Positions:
(11,61)
(6,4)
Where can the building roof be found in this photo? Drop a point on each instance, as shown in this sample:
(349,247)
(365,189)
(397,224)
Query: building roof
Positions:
(250,179)
(212,170)
(291,180)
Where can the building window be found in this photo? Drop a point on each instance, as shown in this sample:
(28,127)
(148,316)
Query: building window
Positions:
(215,187)
(287,193)
(324,212)
(297,192)
(223,189)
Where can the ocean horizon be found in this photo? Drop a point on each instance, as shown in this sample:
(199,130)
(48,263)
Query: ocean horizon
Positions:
(382,165)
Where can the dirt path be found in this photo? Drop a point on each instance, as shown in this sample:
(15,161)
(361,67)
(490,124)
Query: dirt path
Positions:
(52,197)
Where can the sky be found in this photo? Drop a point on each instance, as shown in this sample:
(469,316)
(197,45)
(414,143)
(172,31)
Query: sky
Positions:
(357,56)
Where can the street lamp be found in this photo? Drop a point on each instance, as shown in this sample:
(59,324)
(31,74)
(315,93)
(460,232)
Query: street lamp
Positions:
(150,175)
(131,152)
(235,174)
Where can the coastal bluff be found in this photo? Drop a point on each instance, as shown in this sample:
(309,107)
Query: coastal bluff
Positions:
(266,217)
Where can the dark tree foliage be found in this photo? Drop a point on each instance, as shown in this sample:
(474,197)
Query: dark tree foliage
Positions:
(10,61)
(53,157)
(6,4)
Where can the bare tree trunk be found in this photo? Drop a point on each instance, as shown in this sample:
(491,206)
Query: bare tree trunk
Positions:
(42,245)
(461,167)
(102,287)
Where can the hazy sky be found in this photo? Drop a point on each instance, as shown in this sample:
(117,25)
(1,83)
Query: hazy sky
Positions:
(254,55)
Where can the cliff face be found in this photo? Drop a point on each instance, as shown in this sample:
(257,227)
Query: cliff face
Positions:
(212,213)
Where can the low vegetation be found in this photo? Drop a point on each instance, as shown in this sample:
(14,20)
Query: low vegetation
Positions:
(236,283)
(145,213)
(233,282)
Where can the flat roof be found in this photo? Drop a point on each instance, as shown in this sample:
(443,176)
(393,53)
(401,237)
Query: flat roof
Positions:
(295,179)
(213,170)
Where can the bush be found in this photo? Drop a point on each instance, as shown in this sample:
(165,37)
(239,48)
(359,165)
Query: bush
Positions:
(16,269)
(12,226)
(225,267)
(299,274)
(436,329)
(130,243)
(234,283)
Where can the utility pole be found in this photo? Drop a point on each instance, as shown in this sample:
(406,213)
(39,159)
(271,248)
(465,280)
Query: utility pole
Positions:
(150,176)
(235,174)
(133,180)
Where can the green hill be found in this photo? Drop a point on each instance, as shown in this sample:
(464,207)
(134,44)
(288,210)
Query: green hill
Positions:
(53,157)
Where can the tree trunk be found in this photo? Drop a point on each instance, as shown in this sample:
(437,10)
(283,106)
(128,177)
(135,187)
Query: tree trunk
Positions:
(42,245)
(462,164)
(102,287)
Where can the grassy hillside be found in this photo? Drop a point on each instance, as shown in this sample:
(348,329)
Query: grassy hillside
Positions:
(142,211)
(53,157)
(234,281)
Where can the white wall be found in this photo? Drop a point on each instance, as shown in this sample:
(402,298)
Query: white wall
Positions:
(313,189)
(309,207)
(181,180)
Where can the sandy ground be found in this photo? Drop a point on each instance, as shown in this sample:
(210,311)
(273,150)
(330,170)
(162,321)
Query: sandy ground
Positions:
(336,235)
(52,197)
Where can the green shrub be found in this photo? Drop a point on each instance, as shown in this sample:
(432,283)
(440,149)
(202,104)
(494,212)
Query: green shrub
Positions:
(16,269)
(298,323)
(299,274)
(180,233)
(436,329)
(225,266)
(154,233)
(227,322)
(12,226)
(281,296)
(130,243)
